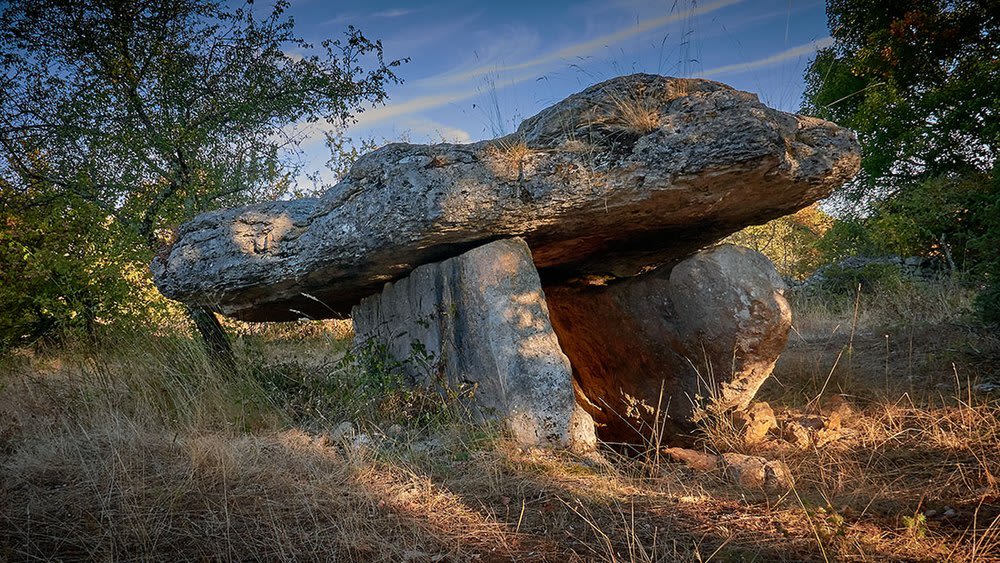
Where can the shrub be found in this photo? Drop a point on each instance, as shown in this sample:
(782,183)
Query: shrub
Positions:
(845,280)
(988,303)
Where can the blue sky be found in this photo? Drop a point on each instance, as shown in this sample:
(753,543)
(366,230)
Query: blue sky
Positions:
(478,68)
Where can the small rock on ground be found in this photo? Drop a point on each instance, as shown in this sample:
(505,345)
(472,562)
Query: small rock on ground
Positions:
(755,422)
(745,470)
(987,388)
(757,472)
(343,431)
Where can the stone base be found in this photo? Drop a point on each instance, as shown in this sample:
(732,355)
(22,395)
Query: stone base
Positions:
(652,352)
(478,323)
(648,354)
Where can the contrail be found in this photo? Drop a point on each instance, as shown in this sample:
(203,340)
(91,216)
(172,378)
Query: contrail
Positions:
(577,49)
(773,59)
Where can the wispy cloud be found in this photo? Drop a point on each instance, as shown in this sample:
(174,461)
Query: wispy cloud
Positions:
(413,38)
(434,131)
(589,46)
(394,13)
(421,103)
(435,100)
(399,110)
(338,19)
(774,59)
(391,13)
(758,19)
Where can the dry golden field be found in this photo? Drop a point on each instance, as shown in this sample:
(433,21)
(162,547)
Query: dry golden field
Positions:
(136,448)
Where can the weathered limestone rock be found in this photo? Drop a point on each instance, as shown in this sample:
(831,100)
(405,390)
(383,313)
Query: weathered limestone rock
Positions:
(818,429)
(648,353)
(479,323)
(755,423)
(636,172)
(755,472)
(700,461)
(748,471)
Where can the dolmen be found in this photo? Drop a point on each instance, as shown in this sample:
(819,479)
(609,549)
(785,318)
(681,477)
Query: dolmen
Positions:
(567,278)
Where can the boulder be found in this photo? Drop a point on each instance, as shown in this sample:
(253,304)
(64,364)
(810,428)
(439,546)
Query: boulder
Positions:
(477,327)
(753,472)
(653,353)
(633,173)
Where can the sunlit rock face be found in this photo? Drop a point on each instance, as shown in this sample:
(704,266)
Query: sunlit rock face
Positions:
(653,353)
(636,172)
(477,327)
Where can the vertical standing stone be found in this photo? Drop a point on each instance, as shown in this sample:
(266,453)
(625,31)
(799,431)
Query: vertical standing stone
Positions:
(479,322)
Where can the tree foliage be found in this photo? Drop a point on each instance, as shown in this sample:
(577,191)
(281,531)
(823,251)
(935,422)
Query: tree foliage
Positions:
(52,272)
(160,109)
(147,112)
(791,242)
(919,80)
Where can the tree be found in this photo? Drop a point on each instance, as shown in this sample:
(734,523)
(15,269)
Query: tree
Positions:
(791,242)
(919,80)
(48,280)
(155,110)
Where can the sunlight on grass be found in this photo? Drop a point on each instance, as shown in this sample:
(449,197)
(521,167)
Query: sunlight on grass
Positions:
(140,445)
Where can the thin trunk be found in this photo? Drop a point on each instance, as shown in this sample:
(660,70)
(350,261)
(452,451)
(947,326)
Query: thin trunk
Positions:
(947,253)
(213,335)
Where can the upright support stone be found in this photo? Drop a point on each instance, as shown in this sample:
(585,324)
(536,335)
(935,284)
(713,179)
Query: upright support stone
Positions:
(479,322)
(650,352)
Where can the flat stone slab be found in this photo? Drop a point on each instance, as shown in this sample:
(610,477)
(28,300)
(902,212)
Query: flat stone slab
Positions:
(633,173)
(477,327)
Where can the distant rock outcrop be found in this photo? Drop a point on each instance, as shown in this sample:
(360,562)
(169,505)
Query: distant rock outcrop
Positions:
(870,270)
(614,190)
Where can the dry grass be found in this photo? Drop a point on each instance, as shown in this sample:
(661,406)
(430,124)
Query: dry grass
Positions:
(142,450)
(507,156)
(639,111)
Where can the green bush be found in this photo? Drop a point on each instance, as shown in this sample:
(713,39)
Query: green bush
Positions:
(841,280)
(66,266)
(988,303)
(954,218)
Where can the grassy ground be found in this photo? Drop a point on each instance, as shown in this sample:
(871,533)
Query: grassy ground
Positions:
(137,448)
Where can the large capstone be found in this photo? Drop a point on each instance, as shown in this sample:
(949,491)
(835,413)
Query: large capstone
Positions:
(476,327)
(636,172)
